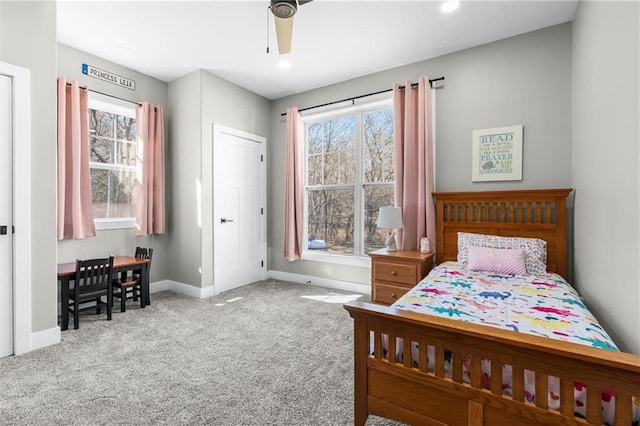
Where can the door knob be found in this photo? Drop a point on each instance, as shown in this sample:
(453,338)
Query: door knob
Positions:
(225,220)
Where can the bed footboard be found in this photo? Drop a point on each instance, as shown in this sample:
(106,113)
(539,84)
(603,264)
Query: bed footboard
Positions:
(400,373)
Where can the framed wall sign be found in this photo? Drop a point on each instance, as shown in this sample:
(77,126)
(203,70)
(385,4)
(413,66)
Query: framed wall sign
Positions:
(497,154)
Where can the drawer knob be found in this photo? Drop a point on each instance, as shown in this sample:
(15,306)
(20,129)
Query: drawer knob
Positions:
(394,273)
(393,295)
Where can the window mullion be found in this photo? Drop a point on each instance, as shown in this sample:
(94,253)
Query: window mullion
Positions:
(114,130)
(357,187)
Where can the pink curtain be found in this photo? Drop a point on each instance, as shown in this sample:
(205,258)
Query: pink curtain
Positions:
(414,164)
(293,189)
(75,210)
(150,215)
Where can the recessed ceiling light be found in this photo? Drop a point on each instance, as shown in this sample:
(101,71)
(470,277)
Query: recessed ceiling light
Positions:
(284,64)
(450,5)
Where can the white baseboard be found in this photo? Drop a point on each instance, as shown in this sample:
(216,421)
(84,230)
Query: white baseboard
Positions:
(321,282)
(204,292)
(45,338)
(178,287)
(157,286)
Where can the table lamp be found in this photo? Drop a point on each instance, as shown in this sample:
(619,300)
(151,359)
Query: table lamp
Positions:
(391,219)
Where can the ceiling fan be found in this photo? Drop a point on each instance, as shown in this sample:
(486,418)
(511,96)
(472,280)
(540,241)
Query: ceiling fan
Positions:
(283,11)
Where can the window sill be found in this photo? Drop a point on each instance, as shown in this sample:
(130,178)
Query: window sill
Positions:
(363,262)
(110,224)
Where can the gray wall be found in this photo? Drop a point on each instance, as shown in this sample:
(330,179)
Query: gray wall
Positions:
(148,89)
(201,99)
(28,40)
(521,80)
(606,157)
(184,157)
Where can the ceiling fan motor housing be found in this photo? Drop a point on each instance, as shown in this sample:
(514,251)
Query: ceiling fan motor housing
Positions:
(284,9)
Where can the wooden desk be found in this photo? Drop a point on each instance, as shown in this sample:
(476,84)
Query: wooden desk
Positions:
(67,273)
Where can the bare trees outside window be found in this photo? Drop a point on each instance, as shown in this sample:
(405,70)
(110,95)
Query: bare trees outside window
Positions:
(349,177)
(112,161)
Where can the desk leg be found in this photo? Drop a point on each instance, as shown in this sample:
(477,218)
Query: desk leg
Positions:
(64,302)
(143,297)
(145,284)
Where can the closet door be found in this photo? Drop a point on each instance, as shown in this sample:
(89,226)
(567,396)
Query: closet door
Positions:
(6,216)
(238,214)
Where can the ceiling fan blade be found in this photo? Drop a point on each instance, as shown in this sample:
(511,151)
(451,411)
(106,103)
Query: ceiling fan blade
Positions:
(284,31)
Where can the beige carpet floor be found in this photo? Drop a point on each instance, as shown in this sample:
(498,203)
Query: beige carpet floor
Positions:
(271,353)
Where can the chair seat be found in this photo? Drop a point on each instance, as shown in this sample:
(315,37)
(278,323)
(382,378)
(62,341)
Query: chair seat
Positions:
(97,304)
(126,283)
(89,296)
(128,289)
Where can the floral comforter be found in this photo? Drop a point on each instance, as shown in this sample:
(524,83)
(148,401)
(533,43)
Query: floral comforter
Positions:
(541,305)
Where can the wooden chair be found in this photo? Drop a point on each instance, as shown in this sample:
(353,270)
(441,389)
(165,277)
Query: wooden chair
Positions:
(129,287)
(92,281)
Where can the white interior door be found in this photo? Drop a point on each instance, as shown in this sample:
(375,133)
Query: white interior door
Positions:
(6,216)
(239,187)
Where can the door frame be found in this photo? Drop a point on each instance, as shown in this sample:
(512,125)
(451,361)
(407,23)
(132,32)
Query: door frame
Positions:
(21,205)
(217,129)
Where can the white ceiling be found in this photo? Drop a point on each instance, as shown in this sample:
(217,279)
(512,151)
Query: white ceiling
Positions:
(333,40)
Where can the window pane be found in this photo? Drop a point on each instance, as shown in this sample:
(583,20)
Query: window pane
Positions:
(113,193)
(126,154)
(335,139)
(374,198)
(331,168)
(100,123)
(314,169)
(331,218)
(378,145)
(100,150)
(347,166)
(126,128)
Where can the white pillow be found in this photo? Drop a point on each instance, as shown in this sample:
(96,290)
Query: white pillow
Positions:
(535,249)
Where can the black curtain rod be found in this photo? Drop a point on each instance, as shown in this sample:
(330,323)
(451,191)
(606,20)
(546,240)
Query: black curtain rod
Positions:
(106,94)
(431,81)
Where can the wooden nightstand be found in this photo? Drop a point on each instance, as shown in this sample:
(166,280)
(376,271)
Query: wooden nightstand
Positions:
(396,272)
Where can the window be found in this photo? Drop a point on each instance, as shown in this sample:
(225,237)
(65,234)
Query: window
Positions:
(112,161)
(349,176)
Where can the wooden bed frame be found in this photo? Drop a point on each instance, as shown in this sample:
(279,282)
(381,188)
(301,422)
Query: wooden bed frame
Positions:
(397,389)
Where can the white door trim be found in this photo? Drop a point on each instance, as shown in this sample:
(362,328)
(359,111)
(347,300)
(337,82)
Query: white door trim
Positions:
(6,216)
(21,205)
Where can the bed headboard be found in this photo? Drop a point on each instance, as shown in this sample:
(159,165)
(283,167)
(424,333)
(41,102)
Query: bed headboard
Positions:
(524,213)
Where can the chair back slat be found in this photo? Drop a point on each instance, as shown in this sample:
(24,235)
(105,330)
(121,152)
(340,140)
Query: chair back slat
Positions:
(93,274)
(144,253)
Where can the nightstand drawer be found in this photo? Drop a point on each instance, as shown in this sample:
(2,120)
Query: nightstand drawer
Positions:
(387,293)
(396,272)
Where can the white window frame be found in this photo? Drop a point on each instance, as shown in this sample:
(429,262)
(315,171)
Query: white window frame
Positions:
(104,103)
(351,260)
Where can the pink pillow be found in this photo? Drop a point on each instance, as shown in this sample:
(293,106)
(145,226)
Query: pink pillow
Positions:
(535,249)
(501,261)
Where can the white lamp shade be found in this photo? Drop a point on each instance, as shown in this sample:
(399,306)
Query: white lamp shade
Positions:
(390,218)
